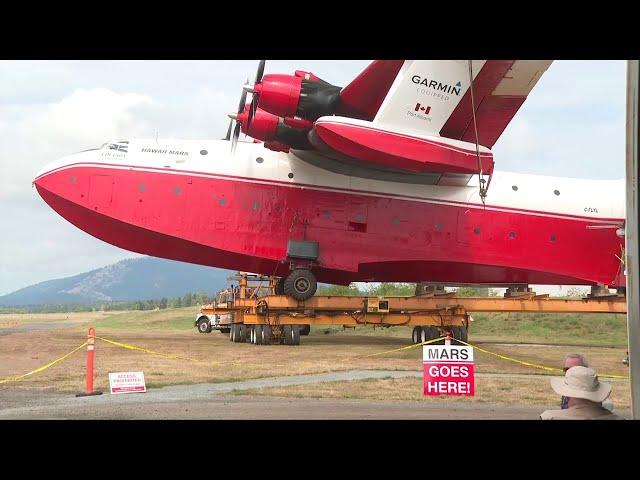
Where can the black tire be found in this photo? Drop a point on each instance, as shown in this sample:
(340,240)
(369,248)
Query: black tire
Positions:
(203,325)
(286,334)
(295,335)
(279,290)
(233,333)
(305,329)
(415,334)
(242,333)
(252,335)
(301,284)
(258,334)
(225,330)
(266,335)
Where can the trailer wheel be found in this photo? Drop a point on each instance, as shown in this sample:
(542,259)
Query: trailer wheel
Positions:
(301,284)
(295,335)
(203,325)
(305,329)
(266,335)
(415,335)
(286,334)
(242,333)
(232,333)
(257,334)
(224,331)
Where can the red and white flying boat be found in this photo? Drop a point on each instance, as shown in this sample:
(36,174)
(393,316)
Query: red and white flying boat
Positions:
(385,179)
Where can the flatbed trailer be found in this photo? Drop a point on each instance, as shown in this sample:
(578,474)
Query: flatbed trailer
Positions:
(271,318)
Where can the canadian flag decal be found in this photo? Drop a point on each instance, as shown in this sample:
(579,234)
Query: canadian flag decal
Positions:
(420,108)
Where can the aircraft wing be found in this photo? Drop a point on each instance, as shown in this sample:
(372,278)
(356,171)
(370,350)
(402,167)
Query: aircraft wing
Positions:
(433,96)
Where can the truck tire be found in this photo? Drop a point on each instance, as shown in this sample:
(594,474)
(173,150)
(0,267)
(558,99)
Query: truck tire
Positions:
(301,284)
(305,329)
(258,334)
(242,333)
(415,334)
(295,335)
(286,334)
(266,335)
(203,325)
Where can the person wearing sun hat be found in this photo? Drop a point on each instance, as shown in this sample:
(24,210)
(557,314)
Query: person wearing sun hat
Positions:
(585,393)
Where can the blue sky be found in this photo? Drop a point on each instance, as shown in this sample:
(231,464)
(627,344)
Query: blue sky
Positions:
(572,124)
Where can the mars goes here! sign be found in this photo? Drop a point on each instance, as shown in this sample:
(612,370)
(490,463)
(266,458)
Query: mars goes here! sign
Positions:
(448,370)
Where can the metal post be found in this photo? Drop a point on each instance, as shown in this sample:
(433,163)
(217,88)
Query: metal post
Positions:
(631,233)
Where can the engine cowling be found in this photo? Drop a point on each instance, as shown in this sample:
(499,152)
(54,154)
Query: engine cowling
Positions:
(301,95)
(280,133)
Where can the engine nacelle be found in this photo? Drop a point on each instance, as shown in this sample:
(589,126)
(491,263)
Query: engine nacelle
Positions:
(277,147)
(301,95)
(280,133)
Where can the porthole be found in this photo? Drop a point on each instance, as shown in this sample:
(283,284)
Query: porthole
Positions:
(259,159)
(203,152)
(556,192)
(512,235)
(290,175)
(476,230)
(514,188)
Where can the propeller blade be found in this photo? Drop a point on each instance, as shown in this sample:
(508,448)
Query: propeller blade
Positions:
(243,100)
(260,71)
(236,134)
(228,137)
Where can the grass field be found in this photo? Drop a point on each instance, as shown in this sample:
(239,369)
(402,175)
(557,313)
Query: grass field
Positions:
(602,339)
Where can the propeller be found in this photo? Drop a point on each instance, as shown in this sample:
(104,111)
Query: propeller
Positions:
(234,117)
(255,98)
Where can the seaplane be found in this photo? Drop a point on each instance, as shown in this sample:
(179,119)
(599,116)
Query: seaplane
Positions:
(388,179)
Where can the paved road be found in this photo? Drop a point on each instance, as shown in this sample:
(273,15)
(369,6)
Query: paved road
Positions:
(28,327)
(213,401)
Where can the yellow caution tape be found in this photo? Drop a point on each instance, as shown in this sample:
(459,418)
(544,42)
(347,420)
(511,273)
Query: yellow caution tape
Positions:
(403,348)
(15,378)
(178,357)
(529,364)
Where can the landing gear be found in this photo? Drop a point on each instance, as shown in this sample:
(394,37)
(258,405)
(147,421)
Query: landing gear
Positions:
(301,284)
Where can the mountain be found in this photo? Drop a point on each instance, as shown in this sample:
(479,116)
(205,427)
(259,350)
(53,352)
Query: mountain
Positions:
(143,278)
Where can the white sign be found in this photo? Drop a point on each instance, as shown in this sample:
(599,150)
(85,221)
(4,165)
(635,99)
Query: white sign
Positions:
(448,370)
(127,382)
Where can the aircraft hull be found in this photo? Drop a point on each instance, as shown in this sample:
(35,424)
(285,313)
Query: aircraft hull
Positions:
(242,223)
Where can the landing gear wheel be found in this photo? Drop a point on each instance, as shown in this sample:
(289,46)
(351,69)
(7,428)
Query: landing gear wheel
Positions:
(258,334)
(279,290)
(305,329)
(266,335)
(203,325)
(415,335)
(301,284)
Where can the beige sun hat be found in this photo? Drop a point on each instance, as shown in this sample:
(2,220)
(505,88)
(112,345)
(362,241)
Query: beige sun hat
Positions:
(581,382)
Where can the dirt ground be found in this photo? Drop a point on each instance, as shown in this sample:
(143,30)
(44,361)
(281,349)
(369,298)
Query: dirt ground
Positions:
(212,359)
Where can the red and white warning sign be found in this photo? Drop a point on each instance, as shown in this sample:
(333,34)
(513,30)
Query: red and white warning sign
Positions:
(448,370)
(127,382)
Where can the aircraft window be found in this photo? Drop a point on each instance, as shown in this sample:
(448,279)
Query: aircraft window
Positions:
(256,206)
(177,191)
(476,230)
(439,226)
(203,152)
(556,192)
(514,188)
(141,187)
(259,159)
(222,201)
(512,235)
(326,213)
(553,238)
(290,175)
